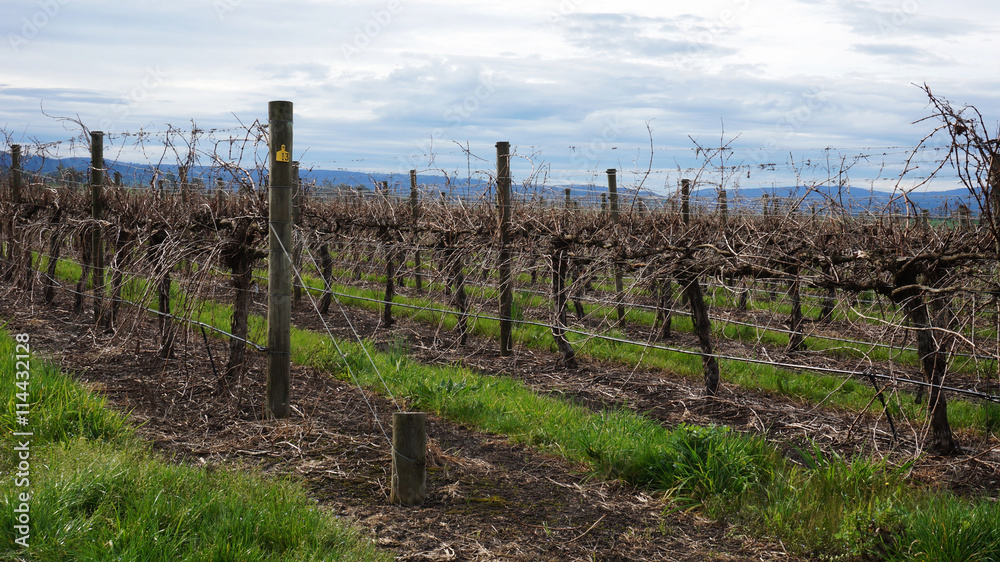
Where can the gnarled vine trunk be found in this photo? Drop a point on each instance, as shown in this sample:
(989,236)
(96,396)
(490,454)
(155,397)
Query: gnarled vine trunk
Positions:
(560,270)
(703,329)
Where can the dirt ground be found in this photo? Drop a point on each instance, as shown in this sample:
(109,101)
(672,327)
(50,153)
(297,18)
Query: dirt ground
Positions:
(488,498)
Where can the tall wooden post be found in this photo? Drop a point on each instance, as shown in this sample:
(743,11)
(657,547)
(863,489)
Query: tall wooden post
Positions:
(279,270)
(686,201)
(613,199)
(415,213)
(13,252)
(503,206)
(613,194)
(15,173)
(97,213)
(724,207)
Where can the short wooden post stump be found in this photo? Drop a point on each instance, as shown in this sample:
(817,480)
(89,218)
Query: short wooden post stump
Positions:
(409,458)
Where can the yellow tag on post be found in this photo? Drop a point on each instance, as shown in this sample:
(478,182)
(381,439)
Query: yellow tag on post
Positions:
(283,155)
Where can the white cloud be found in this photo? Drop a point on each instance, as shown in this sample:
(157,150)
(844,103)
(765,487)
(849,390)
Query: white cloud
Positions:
(569,76)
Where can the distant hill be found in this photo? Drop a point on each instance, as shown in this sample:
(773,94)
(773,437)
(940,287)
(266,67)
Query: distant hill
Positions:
(853,198)
(145,174)
(330,181)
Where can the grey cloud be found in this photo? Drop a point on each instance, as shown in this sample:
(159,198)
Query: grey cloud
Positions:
(901,53)
(295,71)
(903,19)
(65,95)
(629,35)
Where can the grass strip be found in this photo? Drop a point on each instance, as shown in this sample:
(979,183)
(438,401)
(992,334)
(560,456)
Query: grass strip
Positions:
(98,493)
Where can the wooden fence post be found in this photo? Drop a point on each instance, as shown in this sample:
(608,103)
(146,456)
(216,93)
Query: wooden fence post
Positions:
(723,207)
(686,201)
(613,199)
(279,263)
(409,458)
(97,213)
(15,173)
(503,206)
(13,252)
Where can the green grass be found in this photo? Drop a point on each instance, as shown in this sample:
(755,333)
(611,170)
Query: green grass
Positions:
(98,493)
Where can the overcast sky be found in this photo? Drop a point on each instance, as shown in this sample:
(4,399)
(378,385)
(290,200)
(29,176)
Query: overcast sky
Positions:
(576,86)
